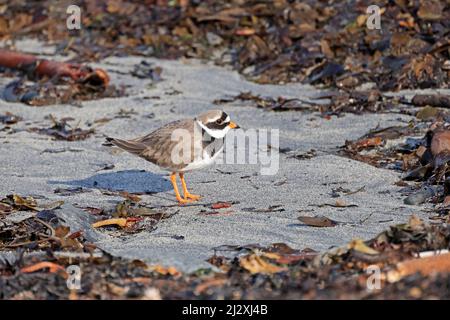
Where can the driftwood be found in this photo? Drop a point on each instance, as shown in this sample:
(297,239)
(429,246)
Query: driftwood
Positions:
(46,68)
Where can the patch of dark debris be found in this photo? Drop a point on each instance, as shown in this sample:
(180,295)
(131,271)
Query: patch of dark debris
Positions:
(315,42)
(405,255)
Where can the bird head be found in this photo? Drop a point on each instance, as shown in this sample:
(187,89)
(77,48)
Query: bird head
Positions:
(216,123)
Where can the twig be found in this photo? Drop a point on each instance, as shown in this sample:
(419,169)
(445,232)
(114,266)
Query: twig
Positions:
(53,232)
(53,267)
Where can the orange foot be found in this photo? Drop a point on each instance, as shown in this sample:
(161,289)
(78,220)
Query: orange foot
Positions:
(193,197)
(186,193)
(182,201)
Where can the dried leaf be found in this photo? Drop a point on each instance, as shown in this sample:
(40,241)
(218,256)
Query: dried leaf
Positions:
(426,266)
(360,246)
(255,264)
(368,143)
(53,267)
(165,270)
(23,203)
(129,196)
(121,222)
(245,32)
(220,205)
(440,142)
(319,221)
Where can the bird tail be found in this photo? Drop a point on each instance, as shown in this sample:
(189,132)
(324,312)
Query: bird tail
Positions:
(130,146)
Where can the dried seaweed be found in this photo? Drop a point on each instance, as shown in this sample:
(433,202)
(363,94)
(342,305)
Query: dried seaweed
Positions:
(270,42)
(62,130)
(401,254)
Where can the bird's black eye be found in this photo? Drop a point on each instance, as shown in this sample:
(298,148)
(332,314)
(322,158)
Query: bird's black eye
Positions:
(219,121)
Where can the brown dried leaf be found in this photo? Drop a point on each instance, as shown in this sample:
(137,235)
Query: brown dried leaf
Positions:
(24,203)
(121,222)
(360,246)
(319,221)
(220,205)
(255,264)
(129,196)
(426,266)
(368,143)
(430,10)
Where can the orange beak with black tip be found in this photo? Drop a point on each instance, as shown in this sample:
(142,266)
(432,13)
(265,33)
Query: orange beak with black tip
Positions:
(233,125)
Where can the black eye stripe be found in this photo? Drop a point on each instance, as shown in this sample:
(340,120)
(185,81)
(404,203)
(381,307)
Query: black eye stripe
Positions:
(224,116)
(216,126)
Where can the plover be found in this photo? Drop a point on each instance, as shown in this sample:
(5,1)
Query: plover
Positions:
(182,146)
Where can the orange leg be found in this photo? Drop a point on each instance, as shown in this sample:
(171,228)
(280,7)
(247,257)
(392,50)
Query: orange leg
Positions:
(187,195)
(173,179)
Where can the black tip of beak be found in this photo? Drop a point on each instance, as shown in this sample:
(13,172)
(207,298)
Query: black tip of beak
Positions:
(233,125)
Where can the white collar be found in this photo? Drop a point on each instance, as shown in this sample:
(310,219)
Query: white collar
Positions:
(218,134)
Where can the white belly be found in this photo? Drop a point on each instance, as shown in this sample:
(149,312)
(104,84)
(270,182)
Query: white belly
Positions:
(206,161)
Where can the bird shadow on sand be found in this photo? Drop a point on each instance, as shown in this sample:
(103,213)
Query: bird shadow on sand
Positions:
(133,181)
